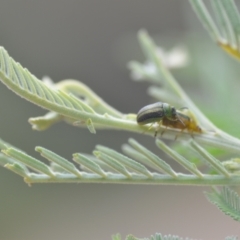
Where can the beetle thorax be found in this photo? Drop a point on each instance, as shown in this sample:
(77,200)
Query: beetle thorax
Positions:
(169,112)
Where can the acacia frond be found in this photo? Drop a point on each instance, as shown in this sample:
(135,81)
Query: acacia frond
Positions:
(231,238)
(109,166)
(75,103)
(227,30)
(158,236)
(228,201)
(60,100)
(169,90)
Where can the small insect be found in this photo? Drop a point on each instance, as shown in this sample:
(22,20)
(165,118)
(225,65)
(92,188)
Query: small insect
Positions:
(186,120)
(158,112)
(166,115)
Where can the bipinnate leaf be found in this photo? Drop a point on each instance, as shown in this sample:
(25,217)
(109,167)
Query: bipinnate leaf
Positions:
(227,201)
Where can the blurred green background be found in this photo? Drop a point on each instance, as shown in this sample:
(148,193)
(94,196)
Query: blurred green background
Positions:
(92,41)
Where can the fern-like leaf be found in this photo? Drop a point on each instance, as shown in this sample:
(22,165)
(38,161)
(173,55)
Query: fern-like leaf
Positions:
(231,238)
(228,201)
(22,82)
(65,101)
(109,166)
(226,31)
(59,99)
(158,236)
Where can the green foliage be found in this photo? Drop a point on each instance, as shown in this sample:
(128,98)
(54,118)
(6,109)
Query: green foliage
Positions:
(158,236)
(227,201)
(73,102)
(226,31)
(109,166)
(231,238)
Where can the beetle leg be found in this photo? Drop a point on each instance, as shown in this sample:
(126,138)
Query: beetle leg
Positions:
(179,134)
(156,131)
(163,131)
(148,128)
(191,132)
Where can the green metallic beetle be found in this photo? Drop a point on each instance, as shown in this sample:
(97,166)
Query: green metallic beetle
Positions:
(160,112)
(156,112)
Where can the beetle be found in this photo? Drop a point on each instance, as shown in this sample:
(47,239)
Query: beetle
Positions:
(156,112)
(168,116)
